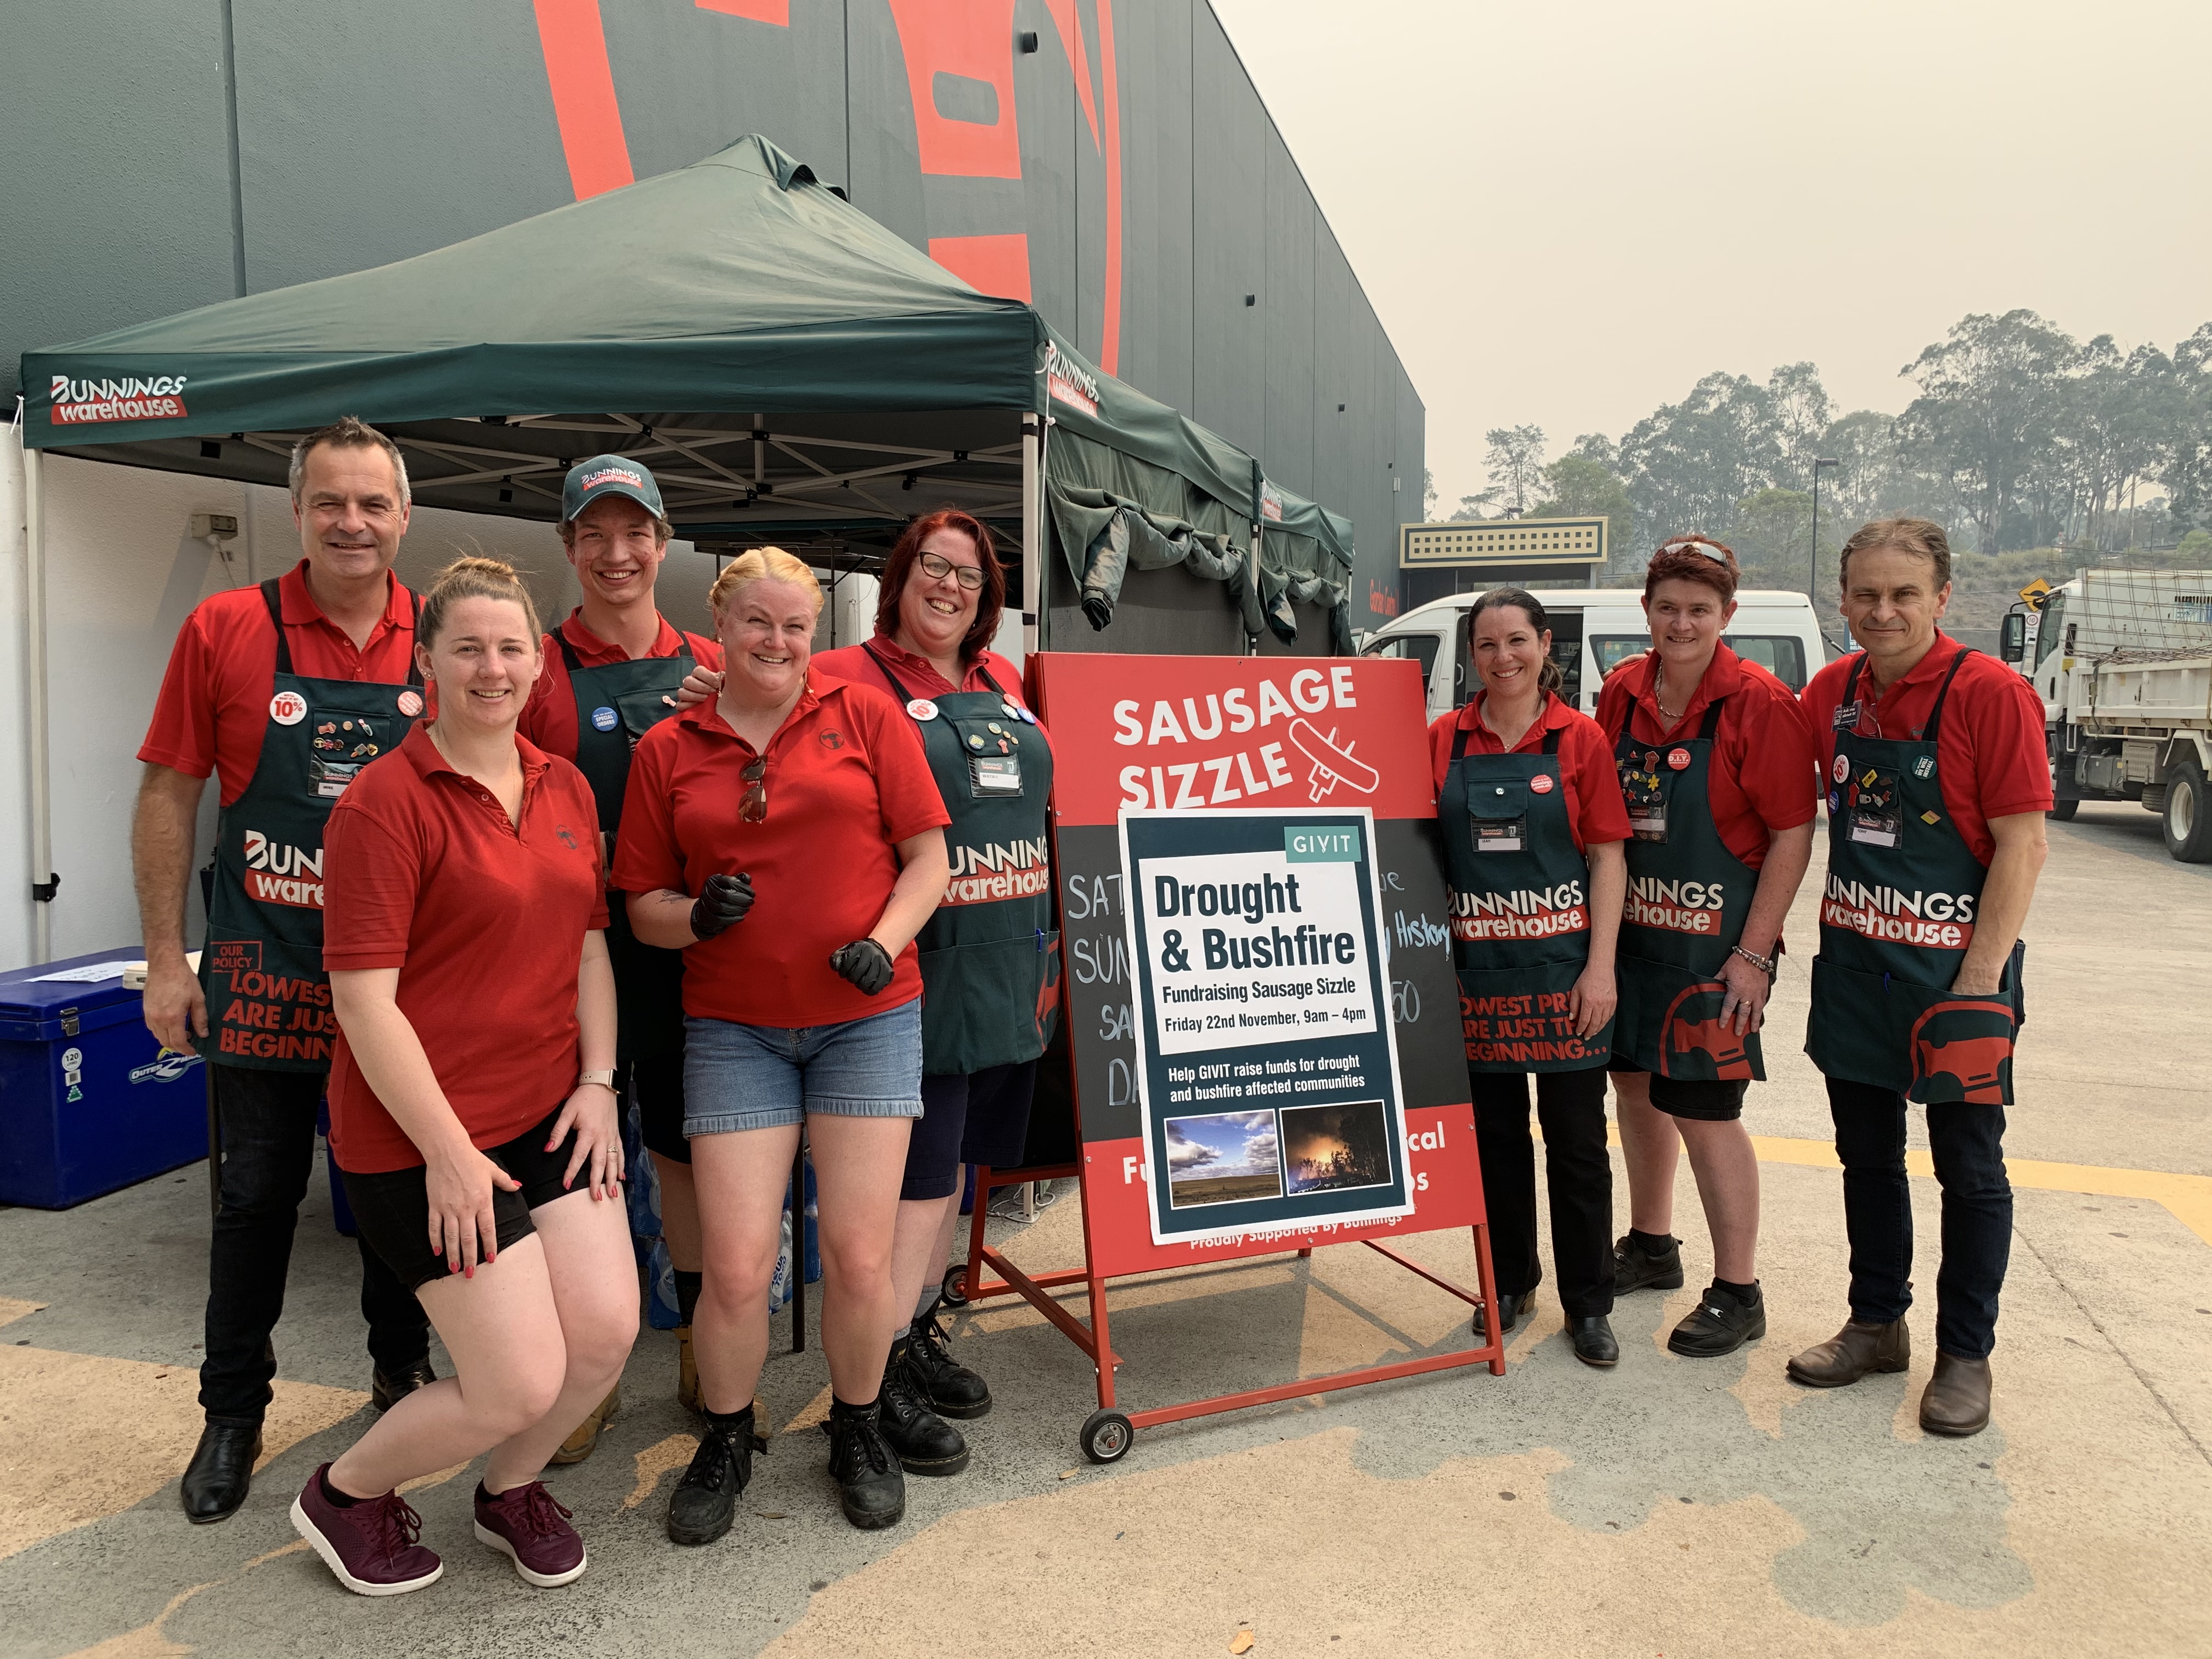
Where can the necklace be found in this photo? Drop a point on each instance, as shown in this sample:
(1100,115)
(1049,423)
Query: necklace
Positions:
(1659,694)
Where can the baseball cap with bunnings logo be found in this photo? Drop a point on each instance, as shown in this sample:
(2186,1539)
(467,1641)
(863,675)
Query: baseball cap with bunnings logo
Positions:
(609,475)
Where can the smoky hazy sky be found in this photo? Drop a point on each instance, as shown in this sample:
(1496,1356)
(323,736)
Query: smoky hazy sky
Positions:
(1567,213)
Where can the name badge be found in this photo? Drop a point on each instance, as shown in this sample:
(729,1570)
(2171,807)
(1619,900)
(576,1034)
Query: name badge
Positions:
(996,774)
(1647,821)
(1876,818)
(1500,835)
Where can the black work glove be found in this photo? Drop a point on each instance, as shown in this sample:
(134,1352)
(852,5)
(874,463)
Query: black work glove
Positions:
(722,903)
(865,963)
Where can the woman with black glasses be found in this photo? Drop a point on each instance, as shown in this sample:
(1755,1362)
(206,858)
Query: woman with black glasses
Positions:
(987,955)
(787,836)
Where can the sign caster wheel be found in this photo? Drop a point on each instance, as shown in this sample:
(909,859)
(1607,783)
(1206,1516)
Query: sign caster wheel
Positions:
(955,1287)
(1107,1437)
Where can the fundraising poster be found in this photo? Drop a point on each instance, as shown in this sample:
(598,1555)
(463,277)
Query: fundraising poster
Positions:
(1267,1070)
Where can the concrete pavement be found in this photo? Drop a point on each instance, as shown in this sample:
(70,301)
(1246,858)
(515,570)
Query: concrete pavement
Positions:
(1669,1507)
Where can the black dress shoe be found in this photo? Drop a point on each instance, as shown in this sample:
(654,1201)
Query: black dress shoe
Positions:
(1513,1306)
(220,1472)
(1634,1269)
(386,1389)
(1719,1324)
(1593,1338)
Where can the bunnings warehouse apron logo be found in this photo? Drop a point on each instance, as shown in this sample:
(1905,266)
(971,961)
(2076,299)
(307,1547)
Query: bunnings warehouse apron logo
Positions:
(1941,921)
(1674,907)
(1525,913)
(985,875)
(278,874)
(75,403)
(1069,382)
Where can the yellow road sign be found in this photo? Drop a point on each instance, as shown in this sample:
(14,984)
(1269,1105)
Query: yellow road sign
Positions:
(2034,592)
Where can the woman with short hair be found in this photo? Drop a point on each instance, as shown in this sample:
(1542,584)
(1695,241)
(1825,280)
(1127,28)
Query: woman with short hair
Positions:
(988,955)
(785,835)
(471,1088)
(1532,827)
(1716,763)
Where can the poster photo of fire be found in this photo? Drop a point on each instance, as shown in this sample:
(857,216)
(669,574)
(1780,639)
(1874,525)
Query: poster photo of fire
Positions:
(1223,1158)
(1328,1149)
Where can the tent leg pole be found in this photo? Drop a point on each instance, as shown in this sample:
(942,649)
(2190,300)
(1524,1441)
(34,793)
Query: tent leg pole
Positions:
(34,672)
(1032,535)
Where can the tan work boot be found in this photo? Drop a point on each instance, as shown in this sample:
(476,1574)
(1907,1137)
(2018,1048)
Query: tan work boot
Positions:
(1957,1399)
(1851,1353)
(580,1445)
(687,1372)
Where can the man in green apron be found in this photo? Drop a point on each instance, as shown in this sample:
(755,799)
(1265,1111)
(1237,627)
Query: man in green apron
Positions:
(1937,784)
(284,691)
(612,671)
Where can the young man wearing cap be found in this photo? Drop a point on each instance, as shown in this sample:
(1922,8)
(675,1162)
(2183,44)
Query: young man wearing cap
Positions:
(611,674)
(1937,784)
(284,692)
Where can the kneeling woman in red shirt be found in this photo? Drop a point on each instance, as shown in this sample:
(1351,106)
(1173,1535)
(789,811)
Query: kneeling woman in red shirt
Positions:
(803,1005)
(472,1114)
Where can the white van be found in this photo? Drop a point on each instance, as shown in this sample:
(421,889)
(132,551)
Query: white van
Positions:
(1594,630)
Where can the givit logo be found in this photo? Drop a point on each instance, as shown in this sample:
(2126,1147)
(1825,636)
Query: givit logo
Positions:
(279,874)
(1068,381)
(1526,913)
(1939,922)
(986,875)
(1675,907)
(73,402)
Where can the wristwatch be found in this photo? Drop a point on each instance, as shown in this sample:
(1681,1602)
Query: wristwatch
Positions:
(604,1080)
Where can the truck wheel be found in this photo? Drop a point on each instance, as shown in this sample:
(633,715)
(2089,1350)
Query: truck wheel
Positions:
(2064,811)
(2188,820)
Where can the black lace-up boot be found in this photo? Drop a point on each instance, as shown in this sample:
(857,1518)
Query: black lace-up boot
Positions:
(869,1483)
(705,1500)
(925,1443)
(950,1389)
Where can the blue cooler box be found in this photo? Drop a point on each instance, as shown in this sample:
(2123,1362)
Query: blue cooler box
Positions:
(89,1101)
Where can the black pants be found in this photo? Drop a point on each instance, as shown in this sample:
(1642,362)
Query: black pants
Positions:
(267,1152)
(1577,1173)
(1967,1143)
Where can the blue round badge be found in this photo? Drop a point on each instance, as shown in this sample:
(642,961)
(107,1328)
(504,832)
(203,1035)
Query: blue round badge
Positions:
(605,719)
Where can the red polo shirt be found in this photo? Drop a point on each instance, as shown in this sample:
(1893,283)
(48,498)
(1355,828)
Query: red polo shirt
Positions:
(213,707)
(846,782)
(1595,811)
(1761,776)
(1990,757)
(485,920)
(549,720)
(917,674)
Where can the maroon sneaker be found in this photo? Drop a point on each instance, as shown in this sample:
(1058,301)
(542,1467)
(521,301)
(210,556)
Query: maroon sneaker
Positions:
(370,1544)
(530,1526)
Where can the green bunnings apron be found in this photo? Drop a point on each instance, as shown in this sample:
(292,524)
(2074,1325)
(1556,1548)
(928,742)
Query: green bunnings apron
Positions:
(1520,910)
(1687,898)
(618,703)
(1897,914)
(990,954)
(268,1004)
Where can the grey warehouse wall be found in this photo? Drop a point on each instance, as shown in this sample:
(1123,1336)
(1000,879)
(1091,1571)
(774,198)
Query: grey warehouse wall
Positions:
(1125,176)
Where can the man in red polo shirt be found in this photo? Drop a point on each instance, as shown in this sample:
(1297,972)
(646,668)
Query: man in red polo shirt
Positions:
(611,674)
(1937,781)
(283,691)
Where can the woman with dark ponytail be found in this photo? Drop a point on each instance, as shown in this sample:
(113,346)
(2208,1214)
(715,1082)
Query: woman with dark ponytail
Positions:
(1533,826)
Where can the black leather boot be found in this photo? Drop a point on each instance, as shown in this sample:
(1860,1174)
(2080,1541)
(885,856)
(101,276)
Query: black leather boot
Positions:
(925,1443)
(387,1389)
(705,1500)
(949,1388)
(220,1472)
(869,1483)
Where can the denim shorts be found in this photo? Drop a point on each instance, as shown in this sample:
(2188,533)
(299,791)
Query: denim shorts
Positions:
(765,1077)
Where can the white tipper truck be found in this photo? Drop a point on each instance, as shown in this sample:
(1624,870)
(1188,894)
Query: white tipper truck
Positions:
(2122,659)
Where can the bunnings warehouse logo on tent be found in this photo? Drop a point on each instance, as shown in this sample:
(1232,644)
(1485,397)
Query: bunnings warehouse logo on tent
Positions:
(1069,383)
(76,402)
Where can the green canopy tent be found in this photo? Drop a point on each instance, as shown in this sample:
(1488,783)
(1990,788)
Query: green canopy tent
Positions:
(791,370)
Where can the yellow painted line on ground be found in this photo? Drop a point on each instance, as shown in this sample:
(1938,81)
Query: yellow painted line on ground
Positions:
(2190,1197)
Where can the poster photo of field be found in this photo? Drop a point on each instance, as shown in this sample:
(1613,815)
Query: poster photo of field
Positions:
(1223,1158)
(1332,1148)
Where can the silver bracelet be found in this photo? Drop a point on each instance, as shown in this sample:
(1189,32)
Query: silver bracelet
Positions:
(1764,965)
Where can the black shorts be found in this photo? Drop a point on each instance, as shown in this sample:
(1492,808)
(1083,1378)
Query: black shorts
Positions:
(659,1082)
(1707,1100)
(392,1209)
(981,1118)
